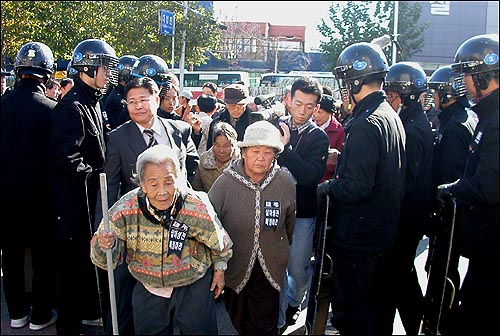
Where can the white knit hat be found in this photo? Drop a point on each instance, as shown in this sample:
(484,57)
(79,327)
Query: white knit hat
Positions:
(262,133)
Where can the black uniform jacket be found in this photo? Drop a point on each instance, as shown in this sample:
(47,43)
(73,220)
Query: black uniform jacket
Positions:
(116,108)
(368,187)
(477,221)
(24,142)
(418,190)
(77,157)
(456,126)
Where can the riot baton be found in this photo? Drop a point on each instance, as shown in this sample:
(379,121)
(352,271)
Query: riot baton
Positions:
(109,255)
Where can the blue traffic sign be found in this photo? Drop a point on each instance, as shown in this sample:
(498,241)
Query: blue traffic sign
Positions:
(166,22)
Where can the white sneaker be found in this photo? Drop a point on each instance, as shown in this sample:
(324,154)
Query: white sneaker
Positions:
(19,323)
(52,320)
(97,322)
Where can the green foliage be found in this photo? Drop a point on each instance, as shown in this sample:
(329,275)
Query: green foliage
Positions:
(363,21)
(130,27)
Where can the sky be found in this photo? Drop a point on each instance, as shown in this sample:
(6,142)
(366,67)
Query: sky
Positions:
(291,13)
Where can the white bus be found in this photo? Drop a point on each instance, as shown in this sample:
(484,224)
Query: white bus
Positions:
(193,80)
(276,82)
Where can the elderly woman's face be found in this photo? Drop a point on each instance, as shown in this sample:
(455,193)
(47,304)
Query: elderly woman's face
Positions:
(159,184)
(223,150)
(258,161)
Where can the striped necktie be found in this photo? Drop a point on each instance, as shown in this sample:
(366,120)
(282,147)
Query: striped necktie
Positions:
(152,141)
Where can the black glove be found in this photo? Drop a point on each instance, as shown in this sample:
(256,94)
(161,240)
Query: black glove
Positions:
(322,191)
(443,194)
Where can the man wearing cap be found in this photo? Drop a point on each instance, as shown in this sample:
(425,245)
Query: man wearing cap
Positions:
(324,117)
(236,112)
(207,105)
(184,107)
(260,222)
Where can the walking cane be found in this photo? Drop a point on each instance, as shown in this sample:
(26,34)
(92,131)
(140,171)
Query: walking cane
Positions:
(109,256)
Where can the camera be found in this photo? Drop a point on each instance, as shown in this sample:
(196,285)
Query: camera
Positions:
(271,110)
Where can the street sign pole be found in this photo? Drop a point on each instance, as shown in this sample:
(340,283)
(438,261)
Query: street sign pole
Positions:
(166,24)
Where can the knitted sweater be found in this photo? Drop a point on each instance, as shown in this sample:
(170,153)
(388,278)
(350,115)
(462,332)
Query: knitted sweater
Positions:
(259,218)
(147,242)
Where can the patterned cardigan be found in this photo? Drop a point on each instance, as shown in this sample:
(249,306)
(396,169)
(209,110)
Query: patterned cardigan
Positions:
(147,242)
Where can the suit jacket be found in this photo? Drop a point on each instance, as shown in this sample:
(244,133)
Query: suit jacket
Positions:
(125,143)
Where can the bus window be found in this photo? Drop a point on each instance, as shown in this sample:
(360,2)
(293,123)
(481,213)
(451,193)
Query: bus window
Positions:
(193,80)
(280,81)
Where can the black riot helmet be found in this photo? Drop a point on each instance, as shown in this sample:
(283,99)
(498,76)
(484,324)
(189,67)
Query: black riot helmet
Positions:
(152,66)
(359,64)
(443,82)
(408,79)
(34,58)
(125,65)
(93,53)
(71,72)
(478,56)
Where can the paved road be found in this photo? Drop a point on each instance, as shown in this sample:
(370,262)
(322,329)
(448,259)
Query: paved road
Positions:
(225,326)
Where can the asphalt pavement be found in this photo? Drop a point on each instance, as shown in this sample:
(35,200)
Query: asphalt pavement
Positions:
(224,323)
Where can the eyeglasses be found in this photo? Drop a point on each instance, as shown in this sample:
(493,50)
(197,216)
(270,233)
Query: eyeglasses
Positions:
(141,101)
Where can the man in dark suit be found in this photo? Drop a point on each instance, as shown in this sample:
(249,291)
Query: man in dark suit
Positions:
(124,144)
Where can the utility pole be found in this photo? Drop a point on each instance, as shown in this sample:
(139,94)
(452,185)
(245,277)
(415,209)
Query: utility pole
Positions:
(182,60)
(276,55)
(173,49)
(395,33)
(183,50)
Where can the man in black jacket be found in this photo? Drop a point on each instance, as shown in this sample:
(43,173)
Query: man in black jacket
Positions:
(404,85)
(24,142)
(366,192)
(477,229)
(304,157)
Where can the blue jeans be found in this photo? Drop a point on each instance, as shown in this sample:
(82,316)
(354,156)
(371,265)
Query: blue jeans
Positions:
(299,271)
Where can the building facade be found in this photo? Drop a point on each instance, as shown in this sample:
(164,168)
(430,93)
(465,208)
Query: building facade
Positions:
(451,23)
(260,47)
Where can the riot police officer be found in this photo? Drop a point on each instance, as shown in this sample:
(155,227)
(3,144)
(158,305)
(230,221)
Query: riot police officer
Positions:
(477,229)
(366,191)
(25,133)
(77,153)
(456,127)
(114,107)
(405,85)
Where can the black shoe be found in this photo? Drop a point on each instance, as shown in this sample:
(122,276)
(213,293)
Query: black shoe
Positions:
(282,330)
(292,314)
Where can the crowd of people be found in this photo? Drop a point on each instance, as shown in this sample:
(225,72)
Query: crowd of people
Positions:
(208,203)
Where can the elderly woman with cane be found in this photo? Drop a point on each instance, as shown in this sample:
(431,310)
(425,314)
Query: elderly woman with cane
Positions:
(176,248)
